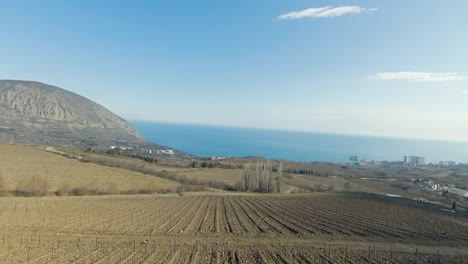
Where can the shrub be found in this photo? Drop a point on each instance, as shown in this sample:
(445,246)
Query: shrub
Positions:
(34,186)
(3,189)
(78,192)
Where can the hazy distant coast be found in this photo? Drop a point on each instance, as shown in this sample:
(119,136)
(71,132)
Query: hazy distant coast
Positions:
(298,146)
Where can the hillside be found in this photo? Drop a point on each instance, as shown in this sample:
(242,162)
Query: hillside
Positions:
(36,113)
(32,170)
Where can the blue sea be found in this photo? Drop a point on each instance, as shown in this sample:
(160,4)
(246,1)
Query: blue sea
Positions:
(209,141)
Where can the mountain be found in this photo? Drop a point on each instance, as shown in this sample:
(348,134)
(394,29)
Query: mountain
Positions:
(36,113)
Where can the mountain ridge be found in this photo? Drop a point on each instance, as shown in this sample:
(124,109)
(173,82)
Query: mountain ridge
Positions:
(34,113)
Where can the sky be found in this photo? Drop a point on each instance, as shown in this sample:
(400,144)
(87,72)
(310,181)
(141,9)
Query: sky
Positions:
(388,68)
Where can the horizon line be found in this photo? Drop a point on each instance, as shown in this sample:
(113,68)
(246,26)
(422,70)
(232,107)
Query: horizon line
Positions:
(299,131)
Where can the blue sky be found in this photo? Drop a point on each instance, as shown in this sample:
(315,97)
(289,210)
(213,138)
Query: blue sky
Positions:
(393,68)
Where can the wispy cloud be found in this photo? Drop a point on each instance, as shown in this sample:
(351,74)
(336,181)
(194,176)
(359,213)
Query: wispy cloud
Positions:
(418,76)
(464,92)
(327,11)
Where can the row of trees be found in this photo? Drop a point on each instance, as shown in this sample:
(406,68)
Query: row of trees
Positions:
(261,177)
(221,165)
(309,172)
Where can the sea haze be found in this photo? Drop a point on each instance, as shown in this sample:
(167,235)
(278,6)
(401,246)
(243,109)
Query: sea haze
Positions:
(208,141)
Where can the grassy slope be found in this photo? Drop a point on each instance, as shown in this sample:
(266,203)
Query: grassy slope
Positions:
(115,173)
(18,164)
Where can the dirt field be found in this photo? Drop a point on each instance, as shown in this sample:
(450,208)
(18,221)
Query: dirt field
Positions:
(226,228)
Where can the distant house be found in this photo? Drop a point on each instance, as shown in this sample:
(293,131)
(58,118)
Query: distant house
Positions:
(464,199)
(447,163)
(431,185)
(459,192)
(393,195)
(166,151)
(464,202)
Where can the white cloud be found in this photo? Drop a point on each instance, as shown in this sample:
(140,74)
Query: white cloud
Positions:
(327,11)
(418,76)
(464,92)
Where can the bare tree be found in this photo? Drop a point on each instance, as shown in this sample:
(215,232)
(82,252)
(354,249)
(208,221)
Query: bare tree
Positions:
(263,184)
(258,178)
(247,180)
(268,177)
(279,179)
(257,185)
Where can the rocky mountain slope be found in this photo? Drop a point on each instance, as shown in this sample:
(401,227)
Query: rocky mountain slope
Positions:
(36,113)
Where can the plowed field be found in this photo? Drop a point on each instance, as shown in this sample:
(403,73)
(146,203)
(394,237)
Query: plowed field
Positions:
(206,228)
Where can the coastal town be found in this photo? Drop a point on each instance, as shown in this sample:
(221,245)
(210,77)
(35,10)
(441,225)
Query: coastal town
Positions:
(427,182)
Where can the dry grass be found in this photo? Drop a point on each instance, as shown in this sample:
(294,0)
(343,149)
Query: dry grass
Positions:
(23,167)
(230,176)
(310,181)
(355,185)
(33,172)
(129,163)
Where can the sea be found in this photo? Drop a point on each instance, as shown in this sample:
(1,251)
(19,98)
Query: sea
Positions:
(209,141)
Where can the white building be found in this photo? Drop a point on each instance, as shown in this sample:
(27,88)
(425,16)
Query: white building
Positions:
(447,163)
(414,160)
